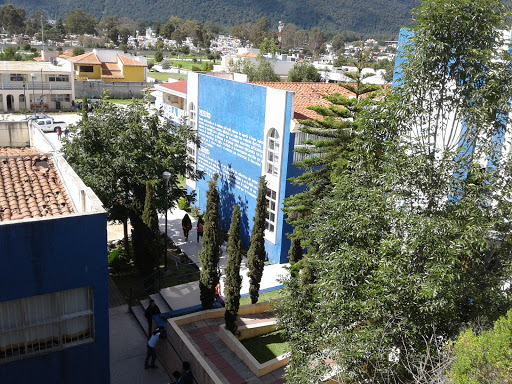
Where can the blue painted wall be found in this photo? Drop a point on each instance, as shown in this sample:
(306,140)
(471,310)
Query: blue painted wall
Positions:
(45,256)
(231,123)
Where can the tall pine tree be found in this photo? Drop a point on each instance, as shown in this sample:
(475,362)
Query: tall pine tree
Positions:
(209,254)
(256,254)
(233,282)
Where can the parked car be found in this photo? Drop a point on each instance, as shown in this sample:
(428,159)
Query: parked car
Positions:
(48,125)
(38,116)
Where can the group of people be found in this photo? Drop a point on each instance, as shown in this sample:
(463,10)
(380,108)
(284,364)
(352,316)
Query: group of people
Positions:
(186,224)
(183,377)
(59,132)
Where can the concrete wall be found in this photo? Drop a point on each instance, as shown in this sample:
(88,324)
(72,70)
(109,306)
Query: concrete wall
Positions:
(49,255)
(116,89)
(14,134)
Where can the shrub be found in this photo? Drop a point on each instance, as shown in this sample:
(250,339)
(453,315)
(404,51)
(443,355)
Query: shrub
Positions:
(184,204)
(118,258)
(165,64)
(486,358)
(196,68)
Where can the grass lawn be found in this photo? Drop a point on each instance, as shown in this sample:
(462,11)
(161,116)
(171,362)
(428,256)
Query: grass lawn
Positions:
(264,297)
(120,101)
(163,76)
(266,347)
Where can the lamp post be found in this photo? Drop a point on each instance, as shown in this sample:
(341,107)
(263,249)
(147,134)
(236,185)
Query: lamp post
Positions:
(24,97)
(166,175)
(33,90)
(42,95)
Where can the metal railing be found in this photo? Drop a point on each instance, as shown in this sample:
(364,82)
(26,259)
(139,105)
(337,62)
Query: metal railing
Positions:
(158,280)
(35,86)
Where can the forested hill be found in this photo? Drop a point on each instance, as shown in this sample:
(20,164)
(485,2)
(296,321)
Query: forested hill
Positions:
(381,18)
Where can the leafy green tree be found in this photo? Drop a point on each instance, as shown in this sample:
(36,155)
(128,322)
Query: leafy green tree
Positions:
(78,22)
(412,240)
(85,109)
(10,54)
(210,253)
(12,19)
(256,254)
(303,72)
(301,39)
(338,43)
(77,51)
(113,35)
(316,40)
(233,282)
(118,149)
(288,36)
(268,46)
(261,71)
(159,56)
(124,34)
(170,27)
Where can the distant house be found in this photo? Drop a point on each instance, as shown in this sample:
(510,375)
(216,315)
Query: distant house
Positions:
(108,66)
(35,86)
(54,277)
(171,100)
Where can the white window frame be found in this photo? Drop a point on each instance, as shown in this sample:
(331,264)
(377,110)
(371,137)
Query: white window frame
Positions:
(271,219)
(273,153)
(44,323)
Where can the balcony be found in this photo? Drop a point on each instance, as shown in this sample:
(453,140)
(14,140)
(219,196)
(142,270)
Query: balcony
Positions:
(36,86)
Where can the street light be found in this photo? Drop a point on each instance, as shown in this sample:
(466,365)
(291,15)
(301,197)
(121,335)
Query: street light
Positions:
(33,90)
(166,175)
(24,97)
(42,94)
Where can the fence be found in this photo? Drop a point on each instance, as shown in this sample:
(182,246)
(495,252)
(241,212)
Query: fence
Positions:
(115,89)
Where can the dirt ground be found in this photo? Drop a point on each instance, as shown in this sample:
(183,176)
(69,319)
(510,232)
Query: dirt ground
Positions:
(115,231)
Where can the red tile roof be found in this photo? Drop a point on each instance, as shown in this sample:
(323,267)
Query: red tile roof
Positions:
(308,95)
(86,58)
(247,54)
(111,71)
(178,86)
(30,186)
(130,62)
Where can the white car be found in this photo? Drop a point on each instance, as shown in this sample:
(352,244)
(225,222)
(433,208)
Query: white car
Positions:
(48,125)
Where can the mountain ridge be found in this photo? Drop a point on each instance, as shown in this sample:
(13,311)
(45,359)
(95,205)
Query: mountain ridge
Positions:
(379,18)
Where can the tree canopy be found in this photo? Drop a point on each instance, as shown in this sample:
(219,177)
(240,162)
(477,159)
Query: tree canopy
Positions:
(412,240)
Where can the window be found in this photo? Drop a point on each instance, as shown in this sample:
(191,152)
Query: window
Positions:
(273,152)
(191,116)
(60,98)
(40,323)
(17,77)
(60,77)
(300,138)
(270,222)
(86,68)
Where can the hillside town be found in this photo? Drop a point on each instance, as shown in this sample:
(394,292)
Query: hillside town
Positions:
(185,202)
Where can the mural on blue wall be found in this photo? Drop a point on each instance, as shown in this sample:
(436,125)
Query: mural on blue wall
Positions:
(231,123)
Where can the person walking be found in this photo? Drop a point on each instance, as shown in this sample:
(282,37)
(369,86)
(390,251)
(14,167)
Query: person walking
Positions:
(186,223)
(150,347)
(200,228)
(151,311)
(66,131)
(59,133)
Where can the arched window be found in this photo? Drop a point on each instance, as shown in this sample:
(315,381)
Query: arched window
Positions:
(273,152)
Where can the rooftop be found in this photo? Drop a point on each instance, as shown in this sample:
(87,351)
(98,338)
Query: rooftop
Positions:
(308,95)
(30,186)
(178,86)
(128,61)
(31,66)
(86,58)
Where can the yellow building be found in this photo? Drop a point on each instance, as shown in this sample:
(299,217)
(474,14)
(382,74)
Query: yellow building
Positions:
(111,67)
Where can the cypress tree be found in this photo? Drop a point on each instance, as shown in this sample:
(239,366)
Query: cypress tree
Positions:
(152,242)
(84,109)
(233,282)
(256,254)
(209,254)
(295,252)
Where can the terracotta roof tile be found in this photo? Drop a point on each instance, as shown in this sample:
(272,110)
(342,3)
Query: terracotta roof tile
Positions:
(247,54)
(308,95)
(111,71)
(86,58)
(30,186)
(178,86)
(130,62)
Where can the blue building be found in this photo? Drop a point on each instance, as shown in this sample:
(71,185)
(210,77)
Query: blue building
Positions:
(248,130)
(54,277)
